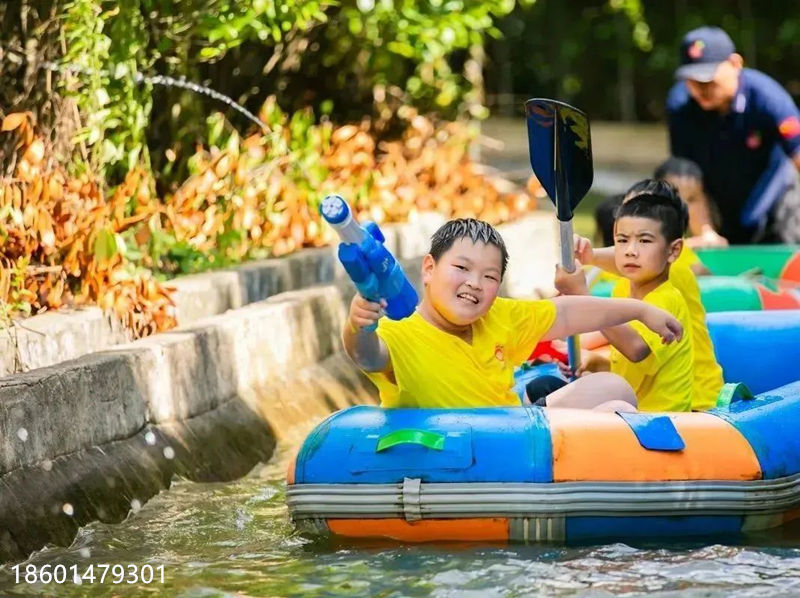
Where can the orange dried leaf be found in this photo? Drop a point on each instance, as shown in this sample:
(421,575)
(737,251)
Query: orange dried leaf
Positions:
(15,120)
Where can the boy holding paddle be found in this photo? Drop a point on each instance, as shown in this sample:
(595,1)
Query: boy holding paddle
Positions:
(648,239)
(460,347)
(707,374)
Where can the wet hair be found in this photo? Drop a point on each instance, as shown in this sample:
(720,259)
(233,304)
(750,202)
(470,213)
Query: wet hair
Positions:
(467,228)
(657,200)
(604,215)
(678,167)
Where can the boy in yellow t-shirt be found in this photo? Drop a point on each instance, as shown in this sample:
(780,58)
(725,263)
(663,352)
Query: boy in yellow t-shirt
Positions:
(460,347)
(707,373)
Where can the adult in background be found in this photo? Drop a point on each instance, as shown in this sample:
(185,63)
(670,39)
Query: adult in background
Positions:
(743,131)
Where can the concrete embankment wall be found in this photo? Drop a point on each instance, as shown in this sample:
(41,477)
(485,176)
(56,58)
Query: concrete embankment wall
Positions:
(94,437)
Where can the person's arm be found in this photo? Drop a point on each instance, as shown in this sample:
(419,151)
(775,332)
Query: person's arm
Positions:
(591,362)
(796,160)
(365,347)
(701,225)
(593,340)
(575,315)
(623,337)
(628,342)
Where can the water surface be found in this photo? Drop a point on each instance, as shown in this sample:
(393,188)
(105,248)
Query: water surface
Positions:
(234,539)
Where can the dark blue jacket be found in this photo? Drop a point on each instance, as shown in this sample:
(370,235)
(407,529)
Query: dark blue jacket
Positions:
(744,154)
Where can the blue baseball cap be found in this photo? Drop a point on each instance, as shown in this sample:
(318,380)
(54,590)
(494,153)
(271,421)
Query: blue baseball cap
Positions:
(702,51)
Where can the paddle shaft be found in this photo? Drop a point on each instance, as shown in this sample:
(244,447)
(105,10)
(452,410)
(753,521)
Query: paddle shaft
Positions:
(567,242)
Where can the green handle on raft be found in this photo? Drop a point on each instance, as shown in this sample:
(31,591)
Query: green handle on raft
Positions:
(431,440)
(732,392)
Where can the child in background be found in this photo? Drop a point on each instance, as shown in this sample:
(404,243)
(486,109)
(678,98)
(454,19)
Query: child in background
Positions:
(707,372)
(460,348)
(648,237)
(687,178)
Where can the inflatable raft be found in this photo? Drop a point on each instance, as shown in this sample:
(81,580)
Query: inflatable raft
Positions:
(560,475)
(735,293)
(777,262)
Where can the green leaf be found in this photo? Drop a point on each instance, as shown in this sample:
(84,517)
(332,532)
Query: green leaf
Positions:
(105,245)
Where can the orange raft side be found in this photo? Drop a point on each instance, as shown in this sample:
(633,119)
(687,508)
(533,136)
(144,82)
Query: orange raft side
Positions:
(598,446)
(428,530)
(791,271)
(783,299)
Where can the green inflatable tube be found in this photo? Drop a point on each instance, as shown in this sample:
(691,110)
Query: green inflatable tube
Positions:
(767,260)
(728,293)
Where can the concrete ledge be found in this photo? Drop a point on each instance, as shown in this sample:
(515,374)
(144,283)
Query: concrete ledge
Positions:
(55,336)
(111,395)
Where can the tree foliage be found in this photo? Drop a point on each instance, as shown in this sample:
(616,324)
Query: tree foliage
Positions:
(616,58)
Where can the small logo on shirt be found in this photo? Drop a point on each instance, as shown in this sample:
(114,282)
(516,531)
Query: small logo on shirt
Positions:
(789,127)
(499,355)
(695,51)
(753,140)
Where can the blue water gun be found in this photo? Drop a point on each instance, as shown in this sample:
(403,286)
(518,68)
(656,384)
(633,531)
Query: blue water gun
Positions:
(373,269)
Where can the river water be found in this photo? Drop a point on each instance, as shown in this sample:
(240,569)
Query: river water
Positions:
(235,539)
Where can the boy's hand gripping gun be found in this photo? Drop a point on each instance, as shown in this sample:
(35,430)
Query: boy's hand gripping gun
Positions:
(371,266)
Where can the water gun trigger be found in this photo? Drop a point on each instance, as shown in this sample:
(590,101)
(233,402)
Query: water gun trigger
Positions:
(374,231)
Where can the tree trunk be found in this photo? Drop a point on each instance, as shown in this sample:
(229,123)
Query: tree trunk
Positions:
(625,86)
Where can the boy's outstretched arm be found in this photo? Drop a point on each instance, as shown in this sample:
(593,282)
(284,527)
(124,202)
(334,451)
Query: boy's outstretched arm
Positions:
(627,341)
(365,347)
(575,315)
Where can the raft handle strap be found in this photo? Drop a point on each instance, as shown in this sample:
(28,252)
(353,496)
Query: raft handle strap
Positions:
(730,392)
(431,440)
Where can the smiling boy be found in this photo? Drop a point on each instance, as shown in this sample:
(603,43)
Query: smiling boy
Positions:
(460,347)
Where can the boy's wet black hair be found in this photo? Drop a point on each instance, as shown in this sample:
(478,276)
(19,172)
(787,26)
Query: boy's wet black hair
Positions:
(678,167)
(659,201)
(604,215)
(469,228)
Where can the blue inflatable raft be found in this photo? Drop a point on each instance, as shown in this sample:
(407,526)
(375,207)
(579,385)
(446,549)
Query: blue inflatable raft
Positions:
(560,475)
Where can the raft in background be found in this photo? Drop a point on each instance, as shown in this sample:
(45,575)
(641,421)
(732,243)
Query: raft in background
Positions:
(744,278)
(563,475)
(777,262)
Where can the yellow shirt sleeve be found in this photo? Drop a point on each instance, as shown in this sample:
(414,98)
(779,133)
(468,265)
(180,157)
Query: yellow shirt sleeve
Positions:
(621,289)
(659,351)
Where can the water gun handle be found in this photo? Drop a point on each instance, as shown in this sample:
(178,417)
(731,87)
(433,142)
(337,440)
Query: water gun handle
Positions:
(357,268)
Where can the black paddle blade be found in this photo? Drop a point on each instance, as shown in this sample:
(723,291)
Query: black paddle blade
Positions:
(560,147)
